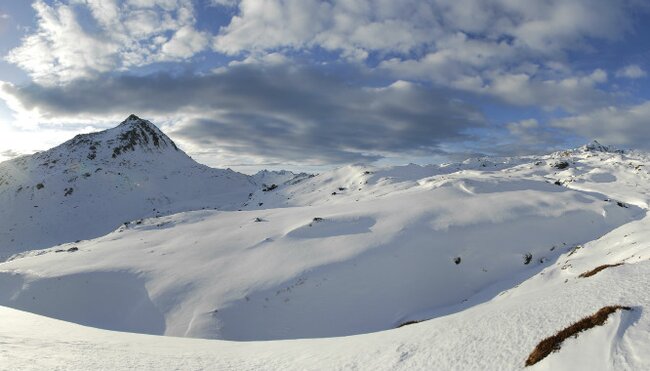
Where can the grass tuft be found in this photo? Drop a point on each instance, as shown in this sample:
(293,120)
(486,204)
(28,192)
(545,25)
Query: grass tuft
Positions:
(553,343)
(407,323)
(598,269)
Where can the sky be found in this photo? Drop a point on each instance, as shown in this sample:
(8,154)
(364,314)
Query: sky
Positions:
(307,84)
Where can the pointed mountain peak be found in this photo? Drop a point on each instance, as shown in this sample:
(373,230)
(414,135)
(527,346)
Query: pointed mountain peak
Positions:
(133,135)
(135,120)
(133,117)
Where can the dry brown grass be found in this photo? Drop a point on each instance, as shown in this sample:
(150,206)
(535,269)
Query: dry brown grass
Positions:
(598,269)
(553,343)
(408,323)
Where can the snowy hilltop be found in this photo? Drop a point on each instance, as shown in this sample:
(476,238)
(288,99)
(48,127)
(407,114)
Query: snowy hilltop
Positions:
(95,182)
(464,266)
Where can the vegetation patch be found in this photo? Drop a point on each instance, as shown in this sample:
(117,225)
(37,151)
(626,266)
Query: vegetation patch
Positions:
(316,220)
(407,323)
(561,165)
(574,249)
(527,258)
(598,269)
(554,343)
(269,188)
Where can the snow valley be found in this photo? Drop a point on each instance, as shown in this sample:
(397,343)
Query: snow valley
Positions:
(117,248)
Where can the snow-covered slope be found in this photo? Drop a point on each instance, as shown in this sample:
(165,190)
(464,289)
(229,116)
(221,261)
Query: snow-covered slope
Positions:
(490,249)
(496,335)
(320,271)
(91,184)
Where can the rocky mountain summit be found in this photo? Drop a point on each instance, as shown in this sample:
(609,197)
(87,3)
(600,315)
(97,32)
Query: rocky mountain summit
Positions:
(93,183)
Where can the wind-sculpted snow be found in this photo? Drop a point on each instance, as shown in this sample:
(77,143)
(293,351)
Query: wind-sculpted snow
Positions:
(323,228)
(498,334)
(111,300)
(335,270)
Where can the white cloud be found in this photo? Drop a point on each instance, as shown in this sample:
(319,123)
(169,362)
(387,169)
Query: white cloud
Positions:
(489,47)
(470,69)
(117,35)
(185,43)
(61,49)
(621,126)
(352,27)
(632,71)
(227,3)
(571,93)
(543,27)
(16,140)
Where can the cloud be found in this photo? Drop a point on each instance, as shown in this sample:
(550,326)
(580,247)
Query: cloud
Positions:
(528,84)
(184,44)
(363,26)
(9,154)
(621,126)
(531,136)
(84,38)
(632,71)
(16,141)
(573,93)
(276,113)
(227,3)
(516,51)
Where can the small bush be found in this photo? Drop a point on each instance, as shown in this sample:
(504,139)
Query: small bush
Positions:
(554,343)
(40,186)
(527,258)
(269,188)
(457,260)
(574,250)
(561,165)
(316,220)
(598,269)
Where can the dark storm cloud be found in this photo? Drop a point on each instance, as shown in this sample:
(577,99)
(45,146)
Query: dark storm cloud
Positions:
(278,113)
